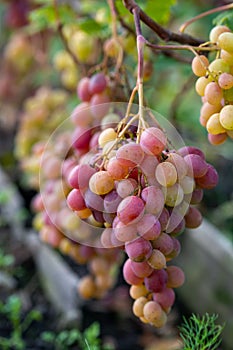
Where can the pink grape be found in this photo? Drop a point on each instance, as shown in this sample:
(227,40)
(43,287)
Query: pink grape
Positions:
(139,249)
(99,105)
(131,209)
(175,277)
(93,201)
(163,218)
(125,233)
(193,218)
(116,169)
(165,298)
(75,200)
(217,139)
(81,138)
(141,269)
(130,154)
(210,179)
(197,196)
(164,243)
(157,281)
(184,151)
(111,202)
(197,166)
(80,175)
(149,227)
(176,249)
(97,83)
(83,89)
(153,141)
(154,199)
(126,187)
(129,276)
(148,166)
(81,115)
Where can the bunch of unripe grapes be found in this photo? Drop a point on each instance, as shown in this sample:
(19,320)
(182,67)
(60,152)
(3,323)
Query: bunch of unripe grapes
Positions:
(215,86)
(42,114)
(142,194)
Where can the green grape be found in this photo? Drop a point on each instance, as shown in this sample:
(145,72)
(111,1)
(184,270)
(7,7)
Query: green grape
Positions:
(225,42)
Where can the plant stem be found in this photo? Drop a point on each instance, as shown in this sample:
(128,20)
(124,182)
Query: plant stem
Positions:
(163,33)
(204,14)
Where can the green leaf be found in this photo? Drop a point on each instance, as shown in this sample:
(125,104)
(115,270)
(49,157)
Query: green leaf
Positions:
(225,18)
(160,11)
(90,26)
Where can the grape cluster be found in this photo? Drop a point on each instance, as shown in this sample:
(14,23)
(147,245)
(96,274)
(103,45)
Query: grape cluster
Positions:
(142,194)
(41,116)
(215,86)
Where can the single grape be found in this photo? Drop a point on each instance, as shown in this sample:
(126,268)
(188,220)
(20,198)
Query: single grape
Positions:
(116,169)
(93,201)
(175,277)
(83,90)
(163,218)
(141,269)
(227,56)
(149,227)
(164,243)
(152,311)
(166,174)
(226,117)
(209,180)
(126,187)
(156,282)
(213,93)
(174,195)
(157,260)
(101,183)
(214,126)
(193,218)
(138,291)
(199,65)
(125,233)
(197,166)
(201,84)
(81,138)
(131,209)
(138,306)
(80,175)
(225,81)
(165,298)
(75,200)
(225,41)
(216,31)
(153,141)
(219,66)
(187,184)
(87,287)
(154,199)
(207,110)
(97,83)
(138,250)
(179,163)
(81,115)
(107,135)
(128,274)
(130,154)
(111,202)
(197,196)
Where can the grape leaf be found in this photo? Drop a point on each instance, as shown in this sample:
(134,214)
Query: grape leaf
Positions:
(225,18)
(160,11)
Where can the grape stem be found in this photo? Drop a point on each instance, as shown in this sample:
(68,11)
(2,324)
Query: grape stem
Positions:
(204,14)
(163,33)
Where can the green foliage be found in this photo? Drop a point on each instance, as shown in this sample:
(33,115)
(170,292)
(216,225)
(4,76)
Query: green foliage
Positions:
(12,311)
(6,260)
(88,340)
(224,18)
(201,333)
(160,11)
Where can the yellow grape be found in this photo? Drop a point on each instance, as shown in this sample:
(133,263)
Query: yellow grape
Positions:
(107,135)
(137,291)
(201,84)
(219,66)
(101,183)
(214,126)
(227,56)
(166,174)
(199,65)
(226,117)
(216,31)
(87,287)
(225,41)
(138,306)
(157,259)
(152,311)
